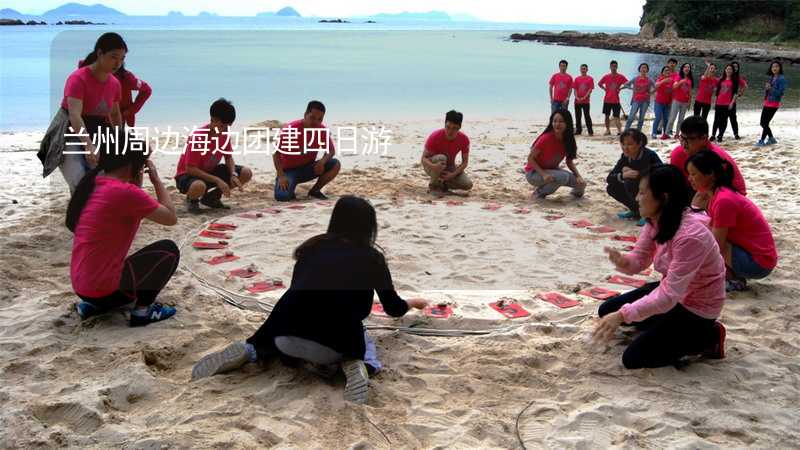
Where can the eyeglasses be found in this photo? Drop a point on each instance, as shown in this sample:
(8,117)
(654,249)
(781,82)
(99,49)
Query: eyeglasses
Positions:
(684,138)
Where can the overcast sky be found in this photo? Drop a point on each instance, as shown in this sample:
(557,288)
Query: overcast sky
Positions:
(619,13)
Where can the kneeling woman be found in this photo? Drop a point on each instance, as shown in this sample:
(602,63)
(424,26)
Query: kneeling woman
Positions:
(319,317)
(677,315)
(104,214)
(742,232)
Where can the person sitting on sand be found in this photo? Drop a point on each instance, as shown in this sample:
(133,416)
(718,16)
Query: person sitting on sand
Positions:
(200,175)
(318,319)
(634,163)
(556,143)
(742,232)
(693,139)
(612,83)
(296,159)
(439,158)
(678,315)
(104,214)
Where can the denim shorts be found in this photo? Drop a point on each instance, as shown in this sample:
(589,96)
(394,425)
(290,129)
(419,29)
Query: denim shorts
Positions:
(744,266)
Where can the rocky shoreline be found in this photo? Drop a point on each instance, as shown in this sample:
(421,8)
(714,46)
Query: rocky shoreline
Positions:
(747,51)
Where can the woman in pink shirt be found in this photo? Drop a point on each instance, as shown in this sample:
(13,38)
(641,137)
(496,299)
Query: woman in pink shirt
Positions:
(743,234)
(556,143)
(128,106)
(104,215)
(663,102)
(681,97)
(678,315)
(727,91)
(642,87)
(705,91)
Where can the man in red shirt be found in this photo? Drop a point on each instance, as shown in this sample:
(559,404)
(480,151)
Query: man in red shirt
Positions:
(583,85)
(296,161)
(560,87)
(200,175)
(612,83)
(439,157)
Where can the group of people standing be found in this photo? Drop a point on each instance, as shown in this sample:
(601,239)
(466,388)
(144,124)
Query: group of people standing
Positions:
(318,320)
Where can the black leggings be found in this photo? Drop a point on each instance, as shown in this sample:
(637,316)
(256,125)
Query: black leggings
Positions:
(625,192)
(582,108)
(766,117)
(721,113)
(734,121)
(701,109)
(664,338)
(144,275)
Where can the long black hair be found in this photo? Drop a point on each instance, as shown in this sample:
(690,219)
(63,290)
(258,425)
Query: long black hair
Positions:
(107,42)
(111,157)
(637,136)
(353,221)
(668,186)
(690,76)
(569,134)
(708,162)
(734,79)
(780,68)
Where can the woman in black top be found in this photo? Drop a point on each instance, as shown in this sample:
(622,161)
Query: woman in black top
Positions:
(633,165)
(319,317)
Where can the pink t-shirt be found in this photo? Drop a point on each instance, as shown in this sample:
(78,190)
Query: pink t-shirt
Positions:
(203,152)
(582,85)
(641,89)
(683,92)
(104,234)
(675,76)
(725,93)
(664,91)
(98,97)
(612,82)
(438,144)
(706,89)
(292,145)
(747,227)
(692,267)
(551,152)
(562,83)
(129,84)
(679,156)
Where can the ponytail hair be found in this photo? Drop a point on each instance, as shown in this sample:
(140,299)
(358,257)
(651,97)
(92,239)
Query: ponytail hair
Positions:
(708,163)
(107,42)
(116,154)
(668,185)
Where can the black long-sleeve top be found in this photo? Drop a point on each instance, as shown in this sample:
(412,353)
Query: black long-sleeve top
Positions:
(646,160)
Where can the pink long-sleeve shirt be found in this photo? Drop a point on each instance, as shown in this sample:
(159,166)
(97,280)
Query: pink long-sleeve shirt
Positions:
(692,267)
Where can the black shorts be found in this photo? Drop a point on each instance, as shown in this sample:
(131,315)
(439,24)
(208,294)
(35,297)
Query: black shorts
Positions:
(611,108)
(184,182)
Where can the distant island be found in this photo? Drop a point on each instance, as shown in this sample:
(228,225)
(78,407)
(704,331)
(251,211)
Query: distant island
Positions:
(283,12)
(69,10)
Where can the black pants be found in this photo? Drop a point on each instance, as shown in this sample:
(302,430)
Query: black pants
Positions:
(734,121)
(625,192)
(702,109)
(144,275)
(766,117)
(582,108)
(664,338)
(721,113)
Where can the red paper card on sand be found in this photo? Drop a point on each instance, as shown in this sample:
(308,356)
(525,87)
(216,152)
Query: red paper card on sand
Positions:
(377,309)
(271,210)
(219,226)
(296,206)
(251,215)
(243,273)
(454,203)
(583,223)
(553,217)
(602,229)
(215,234)
(439,311)
(263,286)
(492,206)
(522,211)
(222,259)
(599,293)
(618,237)
(627,281)
(323,203)
(509,309)
(209,245)
(558,299)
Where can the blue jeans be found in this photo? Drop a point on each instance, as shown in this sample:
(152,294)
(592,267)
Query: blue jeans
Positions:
(744,266)
(662,117)
(555,106)
(298,175)
(641,108)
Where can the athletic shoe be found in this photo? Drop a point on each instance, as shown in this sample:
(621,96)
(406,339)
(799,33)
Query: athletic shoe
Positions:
(193,206)
(155,313)
(213,200)
(318,195)
(717,351)
(712,138)
(772,141)
(626,215)
(664,136)
(761,143)
(736,136)
(653,137)
(641,222)
(356,389)
(230,358)
(734,285)
(85,310)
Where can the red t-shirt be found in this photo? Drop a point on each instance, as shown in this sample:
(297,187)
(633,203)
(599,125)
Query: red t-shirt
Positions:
(747,227)
(582,84)
(683,93)
(612,83)
(294,140)
(675,76)
(203,152)
(104,234)
(678,158)
(664,91)
(641,89)
(725,93)
(706,89)
(129,84)
(551,152)
(562,83)
(438,144)
(98,97)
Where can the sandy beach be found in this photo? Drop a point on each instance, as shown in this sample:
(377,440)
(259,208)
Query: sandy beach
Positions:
(538,379)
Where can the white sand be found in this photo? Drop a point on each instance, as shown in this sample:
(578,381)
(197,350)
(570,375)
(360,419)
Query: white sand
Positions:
(99,384)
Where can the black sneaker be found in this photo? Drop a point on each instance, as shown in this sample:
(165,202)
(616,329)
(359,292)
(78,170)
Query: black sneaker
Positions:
(193,206)
(318,195)
(212,200)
